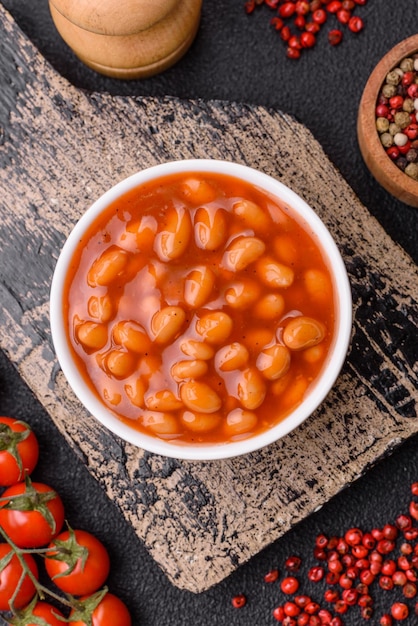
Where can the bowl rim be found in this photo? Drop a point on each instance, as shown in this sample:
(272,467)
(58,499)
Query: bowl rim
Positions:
(215,451)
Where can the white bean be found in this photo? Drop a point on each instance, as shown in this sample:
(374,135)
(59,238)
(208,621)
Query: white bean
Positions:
(239,422)
(270,307)
(303,332)
(100,307)
(252,215)
(108,267)
(92,336)
(242,294)
(209,228)
(197,349)
(162,400)
(200,397)
(274,274)
(241,252)
(251,388)
(274,361)
(171,242)
(200,422)
(160,423)
(231,357)
(167,323)
(132,336)
(198,286)
(215,327)
(189,369)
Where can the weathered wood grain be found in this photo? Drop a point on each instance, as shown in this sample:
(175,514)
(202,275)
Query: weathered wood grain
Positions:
(60,149)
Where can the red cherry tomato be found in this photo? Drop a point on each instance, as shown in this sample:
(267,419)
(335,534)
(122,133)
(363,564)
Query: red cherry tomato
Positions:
(33,515)
(111,610)
(41,610)
(10,576)
(77,562)
(50,614)
(19,451)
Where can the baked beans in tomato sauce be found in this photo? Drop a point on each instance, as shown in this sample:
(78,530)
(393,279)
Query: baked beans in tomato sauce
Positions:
(199,308)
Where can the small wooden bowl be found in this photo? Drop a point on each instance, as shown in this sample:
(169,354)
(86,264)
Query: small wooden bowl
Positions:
(127,39)
(380,165)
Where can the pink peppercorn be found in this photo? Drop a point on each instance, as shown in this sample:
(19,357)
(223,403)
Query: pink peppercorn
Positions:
(334,6)
(278,613)
(405,148)
(300,22)
(355,24)
(291,609)
(412,90)
(285,33)
(312,27)
(393,152)
(316,574)
(408,78)
(302,7)
(287,9)
(396,102)
(413,510)
(343,16)
(382,110)
(307,40)
(335,37)
(277,22)
(319,16)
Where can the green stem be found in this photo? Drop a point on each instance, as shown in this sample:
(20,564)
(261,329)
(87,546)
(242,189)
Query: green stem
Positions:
(40,588)
(16,591)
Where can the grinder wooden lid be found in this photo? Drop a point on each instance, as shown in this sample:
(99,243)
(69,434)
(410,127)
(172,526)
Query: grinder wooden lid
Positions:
(127,38)
(108,17)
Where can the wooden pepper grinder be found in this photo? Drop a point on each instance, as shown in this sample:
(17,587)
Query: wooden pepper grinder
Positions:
(127,39)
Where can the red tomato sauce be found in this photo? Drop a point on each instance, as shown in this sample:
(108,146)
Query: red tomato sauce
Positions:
(199,308)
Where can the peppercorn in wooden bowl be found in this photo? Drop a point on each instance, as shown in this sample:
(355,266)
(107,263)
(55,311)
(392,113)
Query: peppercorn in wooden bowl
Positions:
(200,309)
(387,125)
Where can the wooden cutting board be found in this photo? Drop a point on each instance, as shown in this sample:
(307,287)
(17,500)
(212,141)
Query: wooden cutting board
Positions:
(60,148)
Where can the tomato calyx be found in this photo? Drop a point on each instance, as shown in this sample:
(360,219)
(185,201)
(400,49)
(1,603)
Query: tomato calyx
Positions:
(27,617)
(32,500)
(83,609)
(10,439)
(68,551)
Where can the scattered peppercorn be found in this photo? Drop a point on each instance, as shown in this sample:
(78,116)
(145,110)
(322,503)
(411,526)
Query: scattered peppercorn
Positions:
(271,576)
(399,611)
(335,36)
(352,566)
(397,123)
(239,601)
(308,17)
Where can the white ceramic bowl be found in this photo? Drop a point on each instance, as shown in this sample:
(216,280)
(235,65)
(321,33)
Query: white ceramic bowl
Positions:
(317,392)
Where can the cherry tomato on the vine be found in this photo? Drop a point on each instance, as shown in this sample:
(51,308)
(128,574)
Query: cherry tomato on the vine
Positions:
(41,610)
(31,514)
(19,450)
(11,590)
(110,610)
(77,562)
(50,614)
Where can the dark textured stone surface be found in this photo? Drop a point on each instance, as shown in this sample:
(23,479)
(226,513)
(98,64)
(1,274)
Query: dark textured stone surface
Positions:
(64,147)
(330,113)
